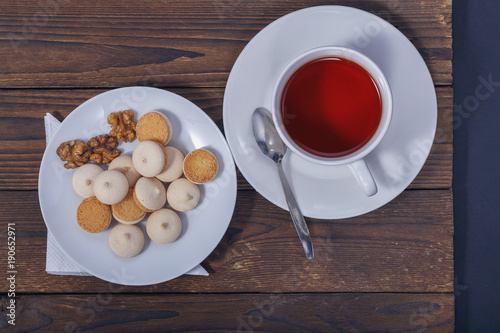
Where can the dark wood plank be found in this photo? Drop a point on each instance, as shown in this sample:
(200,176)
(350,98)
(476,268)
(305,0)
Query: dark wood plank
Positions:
(106,312)
(22,134)
(178,43)
(404,246)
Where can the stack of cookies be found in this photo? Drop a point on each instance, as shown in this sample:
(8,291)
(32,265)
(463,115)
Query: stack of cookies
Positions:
(135,185)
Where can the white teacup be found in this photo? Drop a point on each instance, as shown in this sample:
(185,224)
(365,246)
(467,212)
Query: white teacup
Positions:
(354,159)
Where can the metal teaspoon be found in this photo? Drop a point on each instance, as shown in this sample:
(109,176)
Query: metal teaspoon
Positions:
(273,147)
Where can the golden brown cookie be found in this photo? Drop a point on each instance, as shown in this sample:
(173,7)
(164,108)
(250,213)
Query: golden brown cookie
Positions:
(154,126)
(127,211)
(200,166)
(93,216)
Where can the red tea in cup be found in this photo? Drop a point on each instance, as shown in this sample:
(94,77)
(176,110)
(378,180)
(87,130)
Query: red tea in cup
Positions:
(331,107)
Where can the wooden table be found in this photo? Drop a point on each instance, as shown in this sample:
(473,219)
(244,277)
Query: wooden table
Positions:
(389,270)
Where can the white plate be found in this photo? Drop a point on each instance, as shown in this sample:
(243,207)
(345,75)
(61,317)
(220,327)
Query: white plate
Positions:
(203,227)
(322,191)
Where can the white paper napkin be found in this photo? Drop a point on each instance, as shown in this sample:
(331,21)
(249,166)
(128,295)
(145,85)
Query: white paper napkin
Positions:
(57,261)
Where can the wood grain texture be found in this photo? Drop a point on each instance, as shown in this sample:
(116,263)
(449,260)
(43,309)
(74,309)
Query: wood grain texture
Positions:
(70,43)
(404,246)
(105,312)
(22,133)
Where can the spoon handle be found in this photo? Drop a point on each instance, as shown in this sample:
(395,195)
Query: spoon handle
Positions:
(297,217)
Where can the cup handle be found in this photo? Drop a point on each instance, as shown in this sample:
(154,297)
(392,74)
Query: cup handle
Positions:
(364,177)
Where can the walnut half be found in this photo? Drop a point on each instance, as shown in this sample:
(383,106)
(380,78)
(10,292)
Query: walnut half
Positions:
(122,125)
(75,152)
(103,149)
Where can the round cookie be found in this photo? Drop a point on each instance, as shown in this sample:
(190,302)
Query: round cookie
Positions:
(164,226)
(149,158)
(200,166)
(125,165)
(110,187)
(154,126)
(126,240)
(83,179)
(183,195)
(173,169)
(127,211)
(93,216)
(150,194)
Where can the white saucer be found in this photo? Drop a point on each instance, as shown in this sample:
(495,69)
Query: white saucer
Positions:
(323,191)
(203,227)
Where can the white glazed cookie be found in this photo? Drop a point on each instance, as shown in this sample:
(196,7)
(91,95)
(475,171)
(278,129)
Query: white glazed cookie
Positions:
(183,195)
(111,187)
(150,194)
(173,170)
(149,158)
(125,165)
(83,179)
(164,226)
(126,240)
